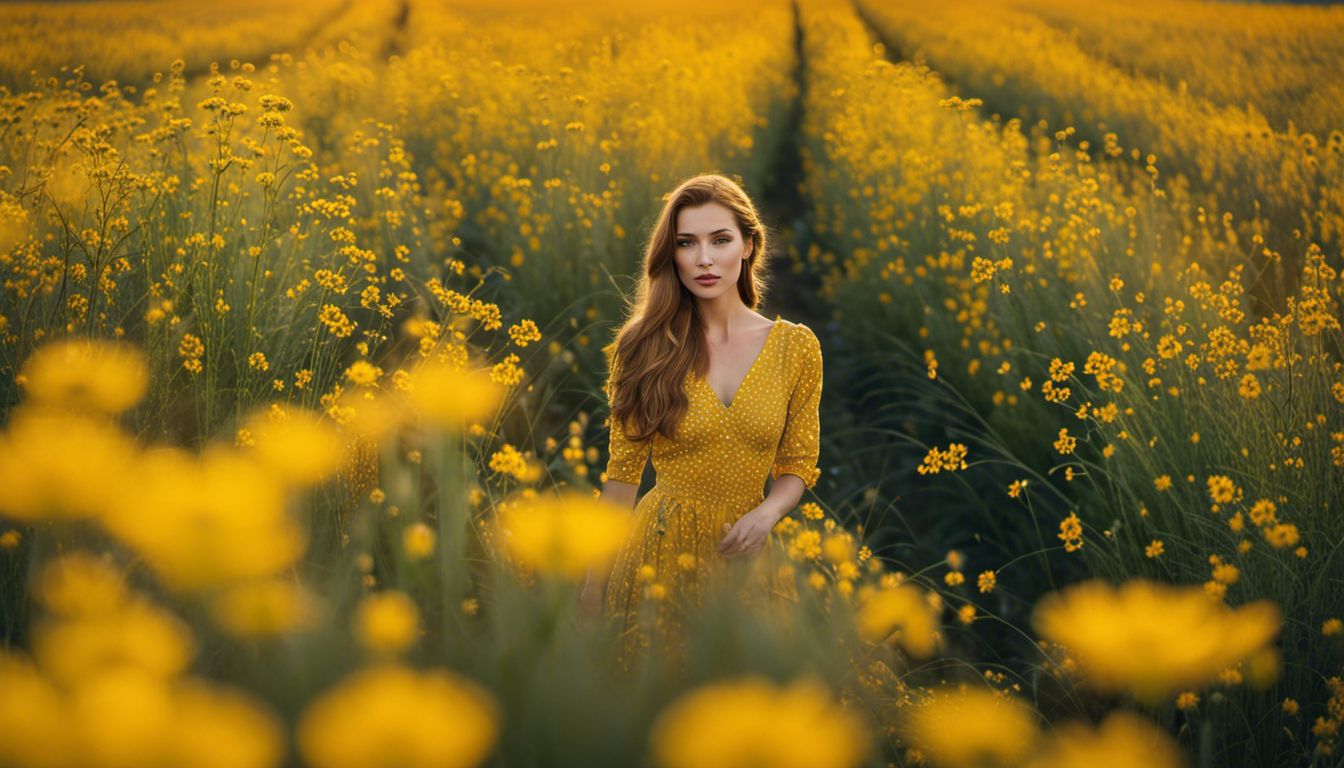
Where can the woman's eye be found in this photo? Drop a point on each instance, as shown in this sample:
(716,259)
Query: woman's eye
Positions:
(722,240)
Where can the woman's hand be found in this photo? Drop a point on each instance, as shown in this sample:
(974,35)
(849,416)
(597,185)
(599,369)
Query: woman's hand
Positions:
(749,534)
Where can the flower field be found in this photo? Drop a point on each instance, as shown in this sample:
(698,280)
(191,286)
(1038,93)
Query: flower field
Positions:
(300,359)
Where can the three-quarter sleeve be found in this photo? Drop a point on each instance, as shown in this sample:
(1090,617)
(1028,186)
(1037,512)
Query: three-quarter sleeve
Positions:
(800,445)
(626,459)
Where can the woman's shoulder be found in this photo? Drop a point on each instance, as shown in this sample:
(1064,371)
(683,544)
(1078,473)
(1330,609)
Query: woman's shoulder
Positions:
(799,333)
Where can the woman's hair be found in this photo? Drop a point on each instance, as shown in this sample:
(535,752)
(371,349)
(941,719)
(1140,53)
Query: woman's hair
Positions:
(662,339)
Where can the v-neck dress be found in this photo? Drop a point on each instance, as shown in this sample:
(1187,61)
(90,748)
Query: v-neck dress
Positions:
(710,475)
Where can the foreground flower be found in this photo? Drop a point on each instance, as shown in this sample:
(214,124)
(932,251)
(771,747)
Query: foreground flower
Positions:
(396,716)
(1153,639)
(101,376)
(1123,740)
(57,465)
(972,727)
(746,722)
(387,622)
(905,609)
(563,534)
(451,398)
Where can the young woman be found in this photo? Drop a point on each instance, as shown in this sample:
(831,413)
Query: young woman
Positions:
(720,397)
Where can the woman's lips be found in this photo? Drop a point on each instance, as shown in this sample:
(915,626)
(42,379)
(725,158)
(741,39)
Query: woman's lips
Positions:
(707,279)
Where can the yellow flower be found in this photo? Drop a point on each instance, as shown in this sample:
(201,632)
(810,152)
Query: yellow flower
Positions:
(1071,532)
(972,726)
(362,373)
(1162,483)
(444,396)
(1016,488)
(387,622)
(101,376)
(1154,549)
(563,534)
(1249,387)
(738,724)
(1122,739)
(264,608)
(295,443)
(392,715)
(418,541)
(58,465)
(1332,627)
(205,522)
(954,578)
(1187,700)
(1152,639)
(902,608)
(987,581)
(131,634)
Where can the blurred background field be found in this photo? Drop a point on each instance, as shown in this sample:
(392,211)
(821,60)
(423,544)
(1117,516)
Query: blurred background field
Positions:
(300,363)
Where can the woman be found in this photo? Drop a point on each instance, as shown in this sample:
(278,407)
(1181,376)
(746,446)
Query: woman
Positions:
(718,395)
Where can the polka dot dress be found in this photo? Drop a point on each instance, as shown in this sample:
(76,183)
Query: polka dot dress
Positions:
(712,474)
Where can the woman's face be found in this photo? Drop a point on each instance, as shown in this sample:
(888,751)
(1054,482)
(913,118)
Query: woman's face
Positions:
(707,244)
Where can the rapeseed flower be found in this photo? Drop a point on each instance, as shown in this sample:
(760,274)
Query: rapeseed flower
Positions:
(82,375)
(738,724)
(563,534)
(1152,639)
(1124,739)
(968,727)
(396,717)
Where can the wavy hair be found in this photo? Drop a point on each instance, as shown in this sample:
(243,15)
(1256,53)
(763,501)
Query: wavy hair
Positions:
(662,339)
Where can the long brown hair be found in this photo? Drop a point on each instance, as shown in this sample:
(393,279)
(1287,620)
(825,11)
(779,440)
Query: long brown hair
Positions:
(662,338)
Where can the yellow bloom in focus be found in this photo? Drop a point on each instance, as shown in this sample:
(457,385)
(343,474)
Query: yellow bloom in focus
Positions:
(1152,639)
(56,465)
(971,727)
(987,581)
(295,443)
(101,376)
(265,608)
(739,724)
(1123,740)
(418,541)
(563,534)
(451,398)
(387,622)
(900,608)
(392,716)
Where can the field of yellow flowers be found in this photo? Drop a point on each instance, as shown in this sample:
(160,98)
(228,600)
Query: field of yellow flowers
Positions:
(303,428)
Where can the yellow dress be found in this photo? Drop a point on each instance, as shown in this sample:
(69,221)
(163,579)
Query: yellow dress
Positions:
(712,474)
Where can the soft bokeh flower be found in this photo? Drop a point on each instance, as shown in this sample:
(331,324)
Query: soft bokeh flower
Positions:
(296,444)
(968,727)
(396,717)
(79,374)
(1152,639)
(1123,740)
(563,534)
(418,541)
(902,608)
(387,622)
(743,723)
(447,397)
(208,521)
(265,608)
(59,465)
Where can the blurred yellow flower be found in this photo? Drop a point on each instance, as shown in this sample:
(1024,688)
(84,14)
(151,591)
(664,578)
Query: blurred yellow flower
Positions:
(739,724)
(903,608)
(135,633)
(1152,639)
(1124,739)
(205,522)
(295,443)
(444,396)
(968,727)
(57,465)
(418,541)
(101,376)
(396,717)
(265,608)
(563,534)
(387,622)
